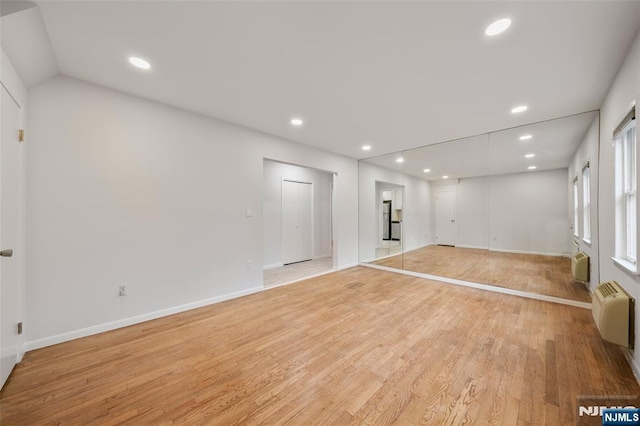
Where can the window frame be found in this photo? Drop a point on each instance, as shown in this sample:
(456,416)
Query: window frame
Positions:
(576,207)
(626,184)
(586,203)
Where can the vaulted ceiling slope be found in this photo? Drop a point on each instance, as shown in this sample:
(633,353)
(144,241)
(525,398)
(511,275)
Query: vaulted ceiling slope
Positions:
(26,42)
(395,75)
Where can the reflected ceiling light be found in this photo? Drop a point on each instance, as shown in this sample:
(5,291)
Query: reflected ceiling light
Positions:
(498,27)
(399,160)
(296,121)
(139,63)
(519,109)
(531,167)
(525,137)
(445,177)
(529,156)
(426,170)
(366,147)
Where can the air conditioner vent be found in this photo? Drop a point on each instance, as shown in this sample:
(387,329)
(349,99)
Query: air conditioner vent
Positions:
(608,290)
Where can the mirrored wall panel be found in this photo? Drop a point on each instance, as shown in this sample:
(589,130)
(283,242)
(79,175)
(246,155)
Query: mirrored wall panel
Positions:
(498,208)
(381,208)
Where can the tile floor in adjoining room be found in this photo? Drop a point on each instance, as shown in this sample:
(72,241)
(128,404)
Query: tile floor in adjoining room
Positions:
(297,271)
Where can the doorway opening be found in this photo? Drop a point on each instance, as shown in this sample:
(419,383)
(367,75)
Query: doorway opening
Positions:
(11,235)
(389,202)
(298,231)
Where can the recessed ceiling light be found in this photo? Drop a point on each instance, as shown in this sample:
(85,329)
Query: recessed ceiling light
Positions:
(531,167)
(525,137)
(139,63)
(445,177)
(519,109)
(426,170)
(399,160)
(296,122)
(366,147)
(498,27)
(529,156)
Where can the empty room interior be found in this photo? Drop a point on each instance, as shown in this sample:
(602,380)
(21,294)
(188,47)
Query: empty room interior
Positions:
(310,212)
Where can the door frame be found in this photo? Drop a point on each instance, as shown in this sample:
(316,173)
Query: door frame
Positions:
(11,82)
(313,223)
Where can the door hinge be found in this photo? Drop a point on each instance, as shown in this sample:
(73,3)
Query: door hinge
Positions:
(21,135)
(19,328)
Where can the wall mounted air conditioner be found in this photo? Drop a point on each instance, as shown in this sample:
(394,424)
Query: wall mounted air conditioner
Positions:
(612,310)
(580,267)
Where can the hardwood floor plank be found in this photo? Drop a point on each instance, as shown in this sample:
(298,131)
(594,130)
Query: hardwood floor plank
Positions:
(539,274)
(359,346)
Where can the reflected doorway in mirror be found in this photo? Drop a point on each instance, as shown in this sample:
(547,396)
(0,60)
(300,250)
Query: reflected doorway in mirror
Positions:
(445,218)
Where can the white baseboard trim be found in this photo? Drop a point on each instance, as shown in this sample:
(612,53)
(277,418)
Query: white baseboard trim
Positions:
(538,253)
(272,266)
(487,287)
(632,363)
(472,247)
(125,322)
(280,265)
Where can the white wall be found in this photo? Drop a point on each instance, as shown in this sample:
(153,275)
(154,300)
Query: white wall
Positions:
(125,191)
(528,212)
(472,212)
(273,173)
(416,213)
(520,212)
(587,152)
(624,91)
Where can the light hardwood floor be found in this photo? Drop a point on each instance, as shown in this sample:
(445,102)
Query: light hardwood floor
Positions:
(359,346)
(548,275)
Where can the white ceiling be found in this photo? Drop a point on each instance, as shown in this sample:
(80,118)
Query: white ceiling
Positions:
(553,143)
(397,75)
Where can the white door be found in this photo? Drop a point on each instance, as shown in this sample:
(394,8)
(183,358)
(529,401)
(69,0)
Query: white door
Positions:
(297,221)
(9,235)
(446,218)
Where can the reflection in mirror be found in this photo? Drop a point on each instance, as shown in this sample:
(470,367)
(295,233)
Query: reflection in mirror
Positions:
(456,242)
(531,238)
(503,215)
(381,212)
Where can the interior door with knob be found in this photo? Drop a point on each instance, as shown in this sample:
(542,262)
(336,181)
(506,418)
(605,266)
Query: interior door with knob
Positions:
(10,231)
(446,218)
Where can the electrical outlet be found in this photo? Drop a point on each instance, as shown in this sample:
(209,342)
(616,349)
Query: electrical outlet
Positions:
(122,291)
(249,265)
